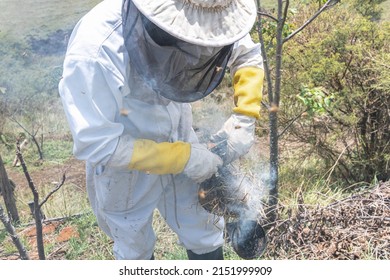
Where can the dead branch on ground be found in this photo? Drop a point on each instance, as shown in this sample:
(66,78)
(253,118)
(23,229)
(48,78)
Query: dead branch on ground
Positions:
(357,227)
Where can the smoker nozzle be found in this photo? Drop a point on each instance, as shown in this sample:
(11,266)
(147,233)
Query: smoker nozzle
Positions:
(248,238)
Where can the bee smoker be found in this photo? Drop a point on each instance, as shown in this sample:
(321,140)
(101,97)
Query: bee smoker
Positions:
(248,238)
(220,195)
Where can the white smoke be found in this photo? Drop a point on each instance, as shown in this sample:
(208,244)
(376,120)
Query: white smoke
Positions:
(250,174)
(245,184)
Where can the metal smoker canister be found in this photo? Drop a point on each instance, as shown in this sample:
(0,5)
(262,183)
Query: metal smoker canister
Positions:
(218,196)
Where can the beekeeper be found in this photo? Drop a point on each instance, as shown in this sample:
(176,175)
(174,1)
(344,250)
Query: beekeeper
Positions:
(130,72)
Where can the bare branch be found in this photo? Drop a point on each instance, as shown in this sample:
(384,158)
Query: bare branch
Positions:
(278,52)
(265,105)
(290,124)
(37,212)
(267,70)
(15,239)
(260,13)
(285,12)
(22,146)
(59,219)
(18,123)
(7,190)
(53,191)
(25,171)
(33,137)
(327,5)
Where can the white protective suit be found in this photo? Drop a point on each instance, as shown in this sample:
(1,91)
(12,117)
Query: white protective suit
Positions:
(108,108)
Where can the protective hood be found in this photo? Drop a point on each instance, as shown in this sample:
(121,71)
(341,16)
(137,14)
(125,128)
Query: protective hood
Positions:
(175,69)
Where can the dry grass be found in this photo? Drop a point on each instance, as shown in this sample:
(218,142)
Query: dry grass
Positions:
(386,10)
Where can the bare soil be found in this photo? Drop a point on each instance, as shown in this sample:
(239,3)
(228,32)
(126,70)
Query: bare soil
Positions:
(56,233)
(42,175)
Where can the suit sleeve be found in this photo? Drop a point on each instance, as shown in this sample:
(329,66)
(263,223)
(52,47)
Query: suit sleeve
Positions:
(246,68)
(90,95)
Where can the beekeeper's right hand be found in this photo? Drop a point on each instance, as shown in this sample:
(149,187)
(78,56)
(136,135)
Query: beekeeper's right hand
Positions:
(194,160)
(202,163)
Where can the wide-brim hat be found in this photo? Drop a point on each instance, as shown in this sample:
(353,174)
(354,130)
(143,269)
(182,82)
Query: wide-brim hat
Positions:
(212,23)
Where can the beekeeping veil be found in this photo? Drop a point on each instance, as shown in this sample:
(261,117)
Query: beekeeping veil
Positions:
(181,48)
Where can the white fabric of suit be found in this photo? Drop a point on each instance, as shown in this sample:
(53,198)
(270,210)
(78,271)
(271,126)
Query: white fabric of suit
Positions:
(108,108)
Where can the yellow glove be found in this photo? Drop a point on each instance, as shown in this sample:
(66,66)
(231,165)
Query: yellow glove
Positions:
(248,86)
(194,160)
(160,158)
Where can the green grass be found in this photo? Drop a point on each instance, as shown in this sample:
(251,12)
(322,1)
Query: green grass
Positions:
(57,151)
(303,174)
(39,17)
(3,235)
(91,244)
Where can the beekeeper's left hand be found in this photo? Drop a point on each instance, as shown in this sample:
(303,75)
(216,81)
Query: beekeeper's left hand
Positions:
(239,133)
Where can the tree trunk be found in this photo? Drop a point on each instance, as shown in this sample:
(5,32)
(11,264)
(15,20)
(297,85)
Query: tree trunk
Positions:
(40,153)
(274,89)
(37,206)
(7,192)
(274,166)
(15,239)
